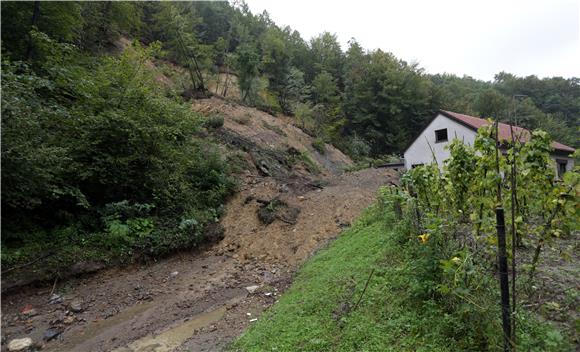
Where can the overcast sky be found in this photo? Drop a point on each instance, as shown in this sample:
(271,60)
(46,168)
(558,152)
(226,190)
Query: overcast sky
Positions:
(476,38)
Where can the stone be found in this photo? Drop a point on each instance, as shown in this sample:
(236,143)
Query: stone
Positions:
(174,274)
(76,306)
(51,334)
(19,344)
(54,299)
(252,289)
(29,311)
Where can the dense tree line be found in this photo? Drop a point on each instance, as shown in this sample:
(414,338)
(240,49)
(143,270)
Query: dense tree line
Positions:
(99,161)
(86,130)
(368,96)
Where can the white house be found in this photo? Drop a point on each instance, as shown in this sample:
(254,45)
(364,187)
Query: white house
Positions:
(447,125)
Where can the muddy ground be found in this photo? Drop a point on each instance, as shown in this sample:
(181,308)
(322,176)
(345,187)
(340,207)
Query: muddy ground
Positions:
(195,301)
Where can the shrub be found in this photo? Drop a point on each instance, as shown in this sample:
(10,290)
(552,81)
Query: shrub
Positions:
(357,147)
(319,145)
(243,120)
(307,161)
(214,121)
(98,159)
(274,128)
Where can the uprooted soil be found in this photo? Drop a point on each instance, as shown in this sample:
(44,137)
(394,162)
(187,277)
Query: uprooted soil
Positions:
(292,200)
(195,301)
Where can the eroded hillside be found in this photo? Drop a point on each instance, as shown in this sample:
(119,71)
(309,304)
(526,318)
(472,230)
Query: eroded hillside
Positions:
(291,200)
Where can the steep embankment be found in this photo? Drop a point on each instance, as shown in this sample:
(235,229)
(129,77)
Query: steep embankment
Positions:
(273,143)
(291,201)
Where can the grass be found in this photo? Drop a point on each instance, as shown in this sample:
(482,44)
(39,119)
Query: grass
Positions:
(274,128)
(318,312)
(309,163)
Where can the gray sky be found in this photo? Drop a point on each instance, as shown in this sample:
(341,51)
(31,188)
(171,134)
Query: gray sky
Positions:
(476,38)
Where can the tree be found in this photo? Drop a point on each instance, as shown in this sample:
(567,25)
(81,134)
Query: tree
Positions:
(490,103)
(324,89)
(296,90)
(247,64)
(276,63)
(327,56)
(60,20)
(106,21)
(387,102)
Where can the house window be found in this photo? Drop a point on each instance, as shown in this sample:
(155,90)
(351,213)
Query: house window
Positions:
(441,135)
(561,167)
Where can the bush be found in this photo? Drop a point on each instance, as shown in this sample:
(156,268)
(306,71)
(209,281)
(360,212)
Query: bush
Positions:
(243,120)
(214,121)
(319,145)
(357,148)
(96,147)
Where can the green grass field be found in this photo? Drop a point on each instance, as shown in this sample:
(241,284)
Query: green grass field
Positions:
(319,312)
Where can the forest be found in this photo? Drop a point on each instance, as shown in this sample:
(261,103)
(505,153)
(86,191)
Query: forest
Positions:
(96,154)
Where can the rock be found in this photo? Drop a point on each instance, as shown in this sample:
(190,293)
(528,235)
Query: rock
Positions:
(54,299)
(85,267)
(29,311)
(174,274)
(76,306)
(214,232)
(69,320)
(51,334)
(252,289)
(19,344)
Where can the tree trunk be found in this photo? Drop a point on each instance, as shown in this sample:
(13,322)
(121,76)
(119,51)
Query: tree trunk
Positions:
(35,15)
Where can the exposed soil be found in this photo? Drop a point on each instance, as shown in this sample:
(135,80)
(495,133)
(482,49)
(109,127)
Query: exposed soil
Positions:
(199,300)
(196,301)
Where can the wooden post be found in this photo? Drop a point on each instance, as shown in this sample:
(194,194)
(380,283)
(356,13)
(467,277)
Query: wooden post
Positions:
(501,254)
(503,278)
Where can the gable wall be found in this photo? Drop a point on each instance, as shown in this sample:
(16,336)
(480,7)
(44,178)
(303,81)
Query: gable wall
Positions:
(420,153)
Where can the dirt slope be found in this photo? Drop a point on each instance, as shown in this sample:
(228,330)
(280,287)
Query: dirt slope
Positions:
(194,301)
(275,134)
(292,200)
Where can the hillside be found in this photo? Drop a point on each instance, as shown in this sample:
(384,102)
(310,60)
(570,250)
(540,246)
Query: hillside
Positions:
(169,169)
(204,291)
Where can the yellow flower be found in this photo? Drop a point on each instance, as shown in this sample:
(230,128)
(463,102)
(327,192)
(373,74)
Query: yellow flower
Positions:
(423,238)
(456,260)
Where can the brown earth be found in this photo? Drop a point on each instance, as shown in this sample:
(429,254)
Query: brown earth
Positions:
(197,300)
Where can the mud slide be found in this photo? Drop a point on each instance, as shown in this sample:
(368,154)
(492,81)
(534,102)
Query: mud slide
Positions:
(197,301)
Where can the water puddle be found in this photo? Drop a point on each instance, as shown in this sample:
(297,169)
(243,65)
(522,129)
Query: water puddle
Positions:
(105,327)
(174,337)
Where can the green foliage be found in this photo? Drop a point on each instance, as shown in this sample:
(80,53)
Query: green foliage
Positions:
(214,121)
(319,145)
(412,300)
(83,136)
(491,103)
(247,63)
(61,20)
(386,101)
(306,159)
(475,181)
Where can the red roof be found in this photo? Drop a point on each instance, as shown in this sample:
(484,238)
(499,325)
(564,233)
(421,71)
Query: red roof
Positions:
(504,129)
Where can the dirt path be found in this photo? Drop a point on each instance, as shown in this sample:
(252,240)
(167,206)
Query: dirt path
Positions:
(195,301)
